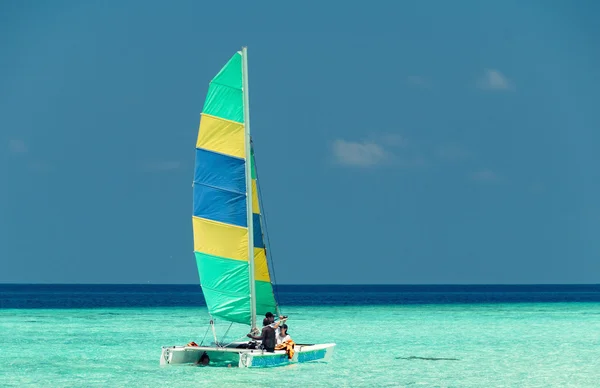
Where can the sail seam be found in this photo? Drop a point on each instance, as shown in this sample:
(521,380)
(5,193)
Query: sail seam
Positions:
(227,86)
(244,295)
(220,223)
(219,118)
(220,153)
(219,188)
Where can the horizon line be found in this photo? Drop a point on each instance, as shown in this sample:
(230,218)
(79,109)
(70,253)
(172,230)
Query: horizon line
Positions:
(312,284)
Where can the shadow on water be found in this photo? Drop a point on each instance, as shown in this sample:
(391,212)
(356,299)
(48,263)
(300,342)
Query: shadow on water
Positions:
(427,358)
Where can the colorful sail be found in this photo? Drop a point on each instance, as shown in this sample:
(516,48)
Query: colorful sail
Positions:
(220,221)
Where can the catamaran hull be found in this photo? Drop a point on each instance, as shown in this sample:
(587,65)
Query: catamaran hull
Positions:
(245,358)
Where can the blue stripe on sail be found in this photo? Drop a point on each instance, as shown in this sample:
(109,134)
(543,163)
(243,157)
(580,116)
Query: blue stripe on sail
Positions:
(220,171)
(258,238)
(220,205)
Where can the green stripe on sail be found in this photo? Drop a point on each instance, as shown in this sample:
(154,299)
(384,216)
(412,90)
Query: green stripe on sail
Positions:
(224,102)
(231,74)
(225,98)
(225,286)
(265,300)
(227,307)
(253,174)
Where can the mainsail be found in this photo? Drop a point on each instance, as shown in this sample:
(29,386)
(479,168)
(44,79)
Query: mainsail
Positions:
(220,214)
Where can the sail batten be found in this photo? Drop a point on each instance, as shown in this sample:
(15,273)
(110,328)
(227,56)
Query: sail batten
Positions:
(221,218)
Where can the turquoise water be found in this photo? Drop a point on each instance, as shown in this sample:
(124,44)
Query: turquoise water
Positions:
(429,345)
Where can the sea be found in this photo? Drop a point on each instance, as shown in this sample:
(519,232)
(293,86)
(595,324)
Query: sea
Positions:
(386,336)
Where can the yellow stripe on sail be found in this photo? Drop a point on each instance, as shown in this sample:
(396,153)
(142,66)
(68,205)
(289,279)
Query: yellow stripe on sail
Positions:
(255,204)
(261,269)
(219,239)
(222,136)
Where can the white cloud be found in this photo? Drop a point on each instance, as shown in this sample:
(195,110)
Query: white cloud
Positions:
(17,146)
(494,80)
(390,149)
(359,154)
(161,166)
(484,175)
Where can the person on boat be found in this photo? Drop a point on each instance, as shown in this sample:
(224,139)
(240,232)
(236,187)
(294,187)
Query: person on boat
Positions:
(204,360)
(284,342)
(283,335)
(272,323)
(267,336)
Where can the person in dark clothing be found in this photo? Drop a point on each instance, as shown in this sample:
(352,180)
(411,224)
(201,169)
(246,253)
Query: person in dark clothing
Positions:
(267,336)
(204,360)
(271,318)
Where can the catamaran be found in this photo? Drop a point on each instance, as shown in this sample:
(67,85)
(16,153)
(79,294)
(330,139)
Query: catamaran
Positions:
(229,244)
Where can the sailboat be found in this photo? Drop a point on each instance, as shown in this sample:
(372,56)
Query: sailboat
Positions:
(229,243)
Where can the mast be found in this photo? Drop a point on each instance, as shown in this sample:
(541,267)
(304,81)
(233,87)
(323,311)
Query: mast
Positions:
(249,212)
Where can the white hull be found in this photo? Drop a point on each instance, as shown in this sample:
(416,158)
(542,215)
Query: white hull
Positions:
(244,358)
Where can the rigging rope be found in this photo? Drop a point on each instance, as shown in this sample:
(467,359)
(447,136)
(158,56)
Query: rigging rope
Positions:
(203,338)
(235,340)
(227,331)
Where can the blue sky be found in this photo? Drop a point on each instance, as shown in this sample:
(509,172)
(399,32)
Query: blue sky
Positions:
(396,142)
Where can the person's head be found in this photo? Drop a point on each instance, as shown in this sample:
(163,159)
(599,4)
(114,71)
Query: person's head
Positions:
(266,322)
(204,359)
(270,317)
(283,329)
